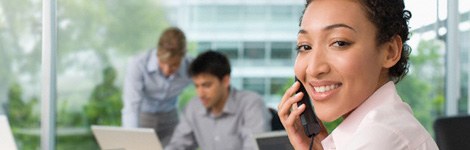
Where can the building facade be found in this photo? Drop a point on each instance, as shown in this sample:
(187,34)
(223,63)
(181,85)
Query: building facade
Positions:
(259,37)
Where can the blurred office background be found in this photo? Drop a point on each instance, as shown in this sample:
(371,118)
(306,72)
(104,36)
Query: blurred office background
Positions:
(96,39)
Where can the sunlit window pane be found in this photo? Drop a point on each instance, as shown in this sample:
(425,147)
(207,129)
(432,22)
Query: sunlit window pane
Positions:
(20,70)
(254,50)
(230,49)
(254,84)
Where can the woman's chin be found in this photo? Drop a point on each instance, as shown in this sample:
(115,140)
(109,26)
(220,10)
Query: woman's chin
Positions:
(327,117)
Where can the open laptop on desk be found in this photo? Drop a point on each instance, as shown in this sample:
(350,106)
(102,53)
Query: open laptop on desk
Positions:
(119,138)
(277,140)
(6,137)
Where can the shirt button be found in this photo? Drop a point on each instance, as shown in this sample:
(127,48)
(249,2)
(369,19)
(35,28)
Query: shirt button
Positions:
(216,138)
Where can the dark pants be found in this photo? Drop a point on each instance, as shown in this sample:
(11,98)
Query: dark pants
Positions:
(163,123)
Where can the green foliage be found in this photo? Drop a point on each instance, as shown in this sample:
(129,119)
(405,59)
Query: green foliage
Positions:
(77,142)
(19,21)
(192,49)
(188,93)
(416,93)
(423,87)
(107,28)
(21,116)
(27,142)
(16,103)
(20,113)
(286,86)
(330,126)
(121,26)
(105,104)
(463,100)
(66,118)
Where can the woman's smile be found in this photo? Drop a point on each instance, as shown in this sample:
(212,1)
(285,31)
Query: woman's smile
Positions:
(323,90)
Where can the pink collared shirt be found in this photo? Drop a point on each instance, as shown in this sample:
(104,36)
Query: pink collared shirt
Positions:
(382,122)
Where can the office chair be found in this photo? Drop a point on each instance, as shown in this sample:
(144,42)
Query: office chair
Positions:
(452,132)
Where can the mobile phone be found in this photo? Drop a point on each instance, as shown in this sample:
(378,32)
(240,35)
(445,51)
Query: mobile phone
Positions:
(309,119)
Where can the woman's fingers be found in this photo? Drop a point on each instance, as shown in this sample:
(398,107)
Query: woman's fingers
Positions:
(291,91)
(296,110)
(289,114)
(285,109)
(288,111)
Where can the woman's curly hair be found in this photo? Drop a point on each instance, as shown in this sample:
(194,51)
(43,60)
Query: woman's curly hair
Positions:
(391,19)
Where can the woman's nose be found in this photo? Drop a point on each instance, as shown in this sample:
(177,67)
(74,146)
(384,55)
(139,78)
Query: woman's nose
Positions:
(318,63)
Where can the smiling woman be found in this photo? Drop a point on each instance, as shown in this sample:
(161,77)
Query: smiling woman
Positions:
(350,53)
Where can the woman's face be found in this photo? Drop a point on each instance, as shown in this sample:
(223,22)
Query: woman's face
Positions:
(339,62)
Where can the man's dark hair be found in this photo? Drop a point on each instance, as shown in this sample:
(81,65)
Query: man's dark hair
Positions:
(391,19)
(211,62)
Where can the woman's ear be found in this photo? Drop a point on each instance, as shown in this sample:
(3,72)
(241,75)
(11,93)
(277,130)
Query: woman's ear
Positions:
(393,52)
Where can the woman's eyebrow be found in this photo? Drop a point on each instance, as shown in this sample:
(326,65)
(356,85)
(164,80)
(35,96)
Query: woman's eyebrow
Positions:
(330,27)
(339,25)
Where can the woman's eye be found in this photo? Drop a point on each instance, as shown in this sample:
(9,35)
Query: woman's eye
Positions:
(341,43)
(303,48)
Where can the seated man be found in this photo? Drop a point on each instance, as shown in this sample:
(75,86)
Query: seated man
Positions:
(220,117)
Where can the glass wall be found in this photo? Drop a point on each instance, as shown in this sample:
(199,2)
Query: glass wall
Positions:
(230,49)
(464,28)
(424,86)
(96,40)
(20,69)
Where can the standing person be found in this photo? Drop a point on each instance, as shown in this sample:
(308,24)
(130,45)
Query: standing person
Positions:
(220,117)
(153,82)
(350,54)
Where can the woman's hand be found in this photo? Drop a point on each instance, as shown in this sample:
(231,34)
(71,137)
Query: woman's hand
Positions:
(291,120)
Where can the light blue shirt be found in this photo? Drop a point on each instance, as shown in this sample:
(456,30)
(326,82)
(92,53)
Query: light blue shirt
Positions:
(147,89)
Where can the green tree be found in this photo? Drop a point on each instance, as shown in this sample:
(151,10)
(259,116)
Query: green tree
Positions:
(111,30)
(20,47)
(105,104)
(16,106)
(108,26)
(21,117)
(423,87)
(21,112)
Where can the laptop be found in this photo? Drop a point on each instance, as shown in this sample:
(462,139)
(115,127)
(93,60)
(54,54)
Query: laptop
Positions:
(119,138)
(277,140)
(7,141)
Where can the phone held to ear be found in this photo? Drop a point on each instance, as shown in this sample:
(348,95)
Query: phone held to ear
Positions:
(308,117)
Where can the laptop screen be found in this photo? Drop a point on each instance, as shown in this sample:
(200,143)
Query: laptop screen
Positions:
(119,138)
(277,140)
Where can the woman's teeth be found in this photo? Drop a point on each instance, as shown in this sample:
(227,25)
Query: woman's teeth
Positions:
(325,88)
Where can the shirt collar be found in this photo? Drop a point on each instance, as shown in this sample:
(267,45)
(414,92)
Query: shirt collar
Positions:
(152,61)
(341,134)
(229,106)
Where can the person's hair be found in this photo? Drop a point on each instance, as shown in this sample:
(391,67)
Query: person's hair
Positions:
(172,43)
(390,19)
(212,62)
